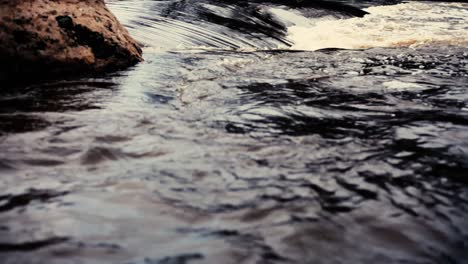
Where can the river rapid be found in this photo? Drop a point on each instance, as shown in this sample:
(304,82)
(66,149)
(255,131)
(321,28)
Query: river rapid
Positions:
(253,132)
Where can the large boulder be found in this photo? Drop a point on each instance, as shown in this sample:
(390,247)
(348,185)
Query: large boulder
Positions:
(62,36)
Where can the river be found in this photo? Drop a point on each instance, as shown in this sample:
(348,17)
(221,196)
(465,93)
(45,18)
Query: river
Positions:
(253,132)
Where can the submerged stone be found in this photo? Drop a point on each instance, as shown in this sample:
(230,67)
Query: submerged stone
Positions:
(62,37)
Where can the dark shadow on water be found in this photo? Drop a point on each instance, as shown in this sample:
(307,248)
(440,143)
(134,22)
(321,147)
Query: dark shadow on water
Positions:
(24,106)
(20,123)
(57,96)
(13,201)
(32,245)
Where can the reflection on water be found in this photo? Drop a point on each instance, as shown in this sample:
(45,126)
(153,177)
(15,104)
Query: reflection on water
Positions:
(220,155)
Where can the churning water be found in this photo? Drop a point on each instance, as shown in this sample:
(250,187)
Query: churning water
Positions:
(254,132)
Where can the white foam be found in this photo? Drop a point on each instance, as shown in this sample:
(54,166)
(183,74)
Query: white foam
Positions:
(403,25)
(402,86)
(291,17)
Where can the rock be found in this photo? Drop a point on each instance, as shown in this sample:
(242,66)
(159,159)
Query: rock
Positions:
(62,37)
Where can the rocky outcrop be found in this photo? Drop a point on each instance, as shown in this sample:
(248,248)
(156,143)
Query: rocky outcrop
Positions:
(62,36)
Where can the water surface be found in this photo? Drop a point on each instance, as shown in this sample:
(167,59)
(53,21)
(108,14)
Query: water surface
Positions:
(261,142)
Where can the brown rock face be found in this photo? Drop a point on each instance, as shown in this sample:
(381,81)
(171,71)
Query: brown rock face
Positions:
(62,36)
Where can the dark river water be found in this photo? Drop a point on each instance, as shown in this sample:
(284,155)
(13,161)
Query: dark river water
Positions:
(254,132)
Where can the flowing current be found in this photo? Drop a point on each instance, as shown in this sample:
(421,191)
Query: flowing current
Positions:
(254,132)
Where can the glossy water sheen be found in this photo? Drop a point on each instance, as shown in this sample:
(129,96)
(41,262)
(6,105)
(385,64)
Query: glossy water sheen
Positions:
(242,153)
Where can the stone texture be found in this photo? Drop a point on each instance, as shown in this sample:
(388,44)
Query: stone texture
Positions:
(62,36)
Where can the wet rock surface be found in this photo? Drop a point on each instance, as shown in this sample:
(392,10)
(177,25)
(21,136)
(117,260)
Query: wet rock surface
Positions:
(50,37)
